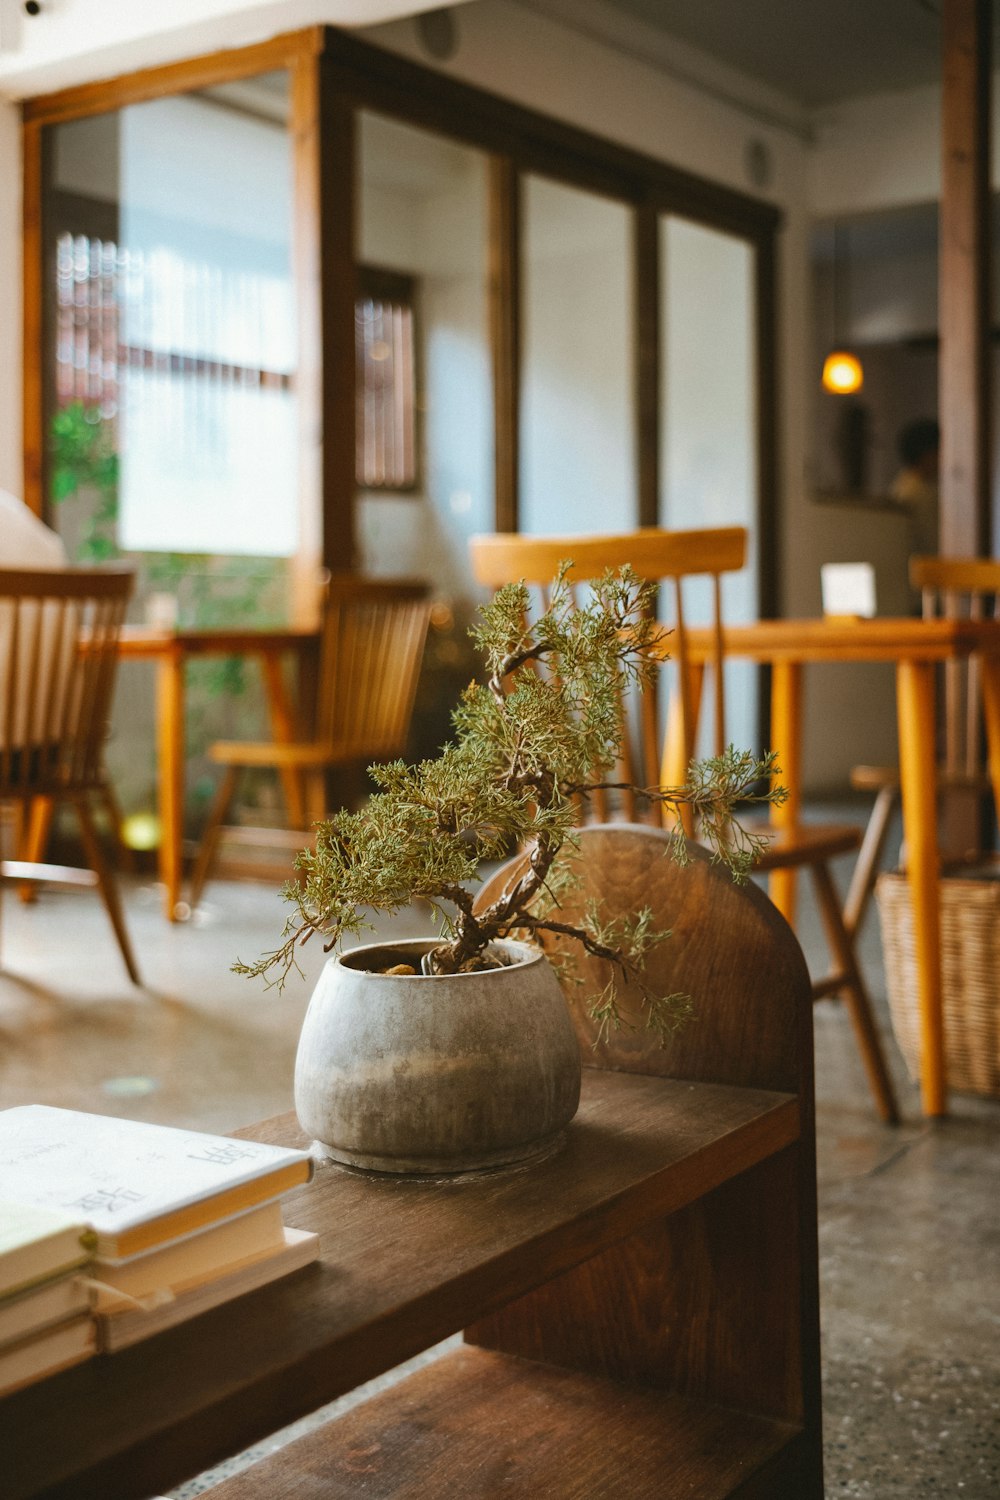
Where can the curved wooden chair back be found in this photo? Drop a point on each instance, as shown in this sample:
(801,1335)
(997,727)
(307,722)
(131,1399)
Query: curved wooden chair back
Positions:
(372,636)
(960,588)
(660,556)
(729,949)
(372,646)
(59,635)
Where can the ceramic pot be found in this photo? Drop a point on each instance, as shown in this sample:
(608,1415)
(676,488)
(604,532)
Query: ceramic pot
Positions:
(436,1073)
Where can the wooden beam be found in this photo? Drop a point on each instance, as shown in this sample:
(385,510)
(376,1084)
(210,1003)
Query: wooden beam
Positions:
(964,288)
(335,227)
(646,358)
(172,78)
(34,318)
(505,333)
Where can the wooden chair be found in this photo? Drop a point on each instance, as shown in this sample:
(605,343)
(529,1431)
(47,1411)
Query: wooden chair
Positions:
(58,658)
(655,555)
(724,940)
(807,846)
(371,649)
(956,588)
(675,558)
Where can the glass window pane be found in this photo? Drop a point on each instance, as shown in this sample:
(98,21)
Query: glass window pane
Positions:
(176,314)
(423,222)
(423,225)
(577,456)
(708,431)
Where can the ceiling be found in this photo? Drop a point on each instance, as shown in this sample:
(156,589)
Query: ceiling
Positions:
(814,51)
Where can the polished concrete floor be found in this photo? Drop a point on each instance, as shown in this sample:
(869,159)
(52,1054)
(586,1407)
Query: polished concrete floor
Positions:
(909,1217)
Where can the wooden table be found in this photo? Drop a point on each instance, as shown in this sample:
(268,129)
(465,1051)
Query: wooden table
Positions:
(171,650)
(915,646)
(672,1240)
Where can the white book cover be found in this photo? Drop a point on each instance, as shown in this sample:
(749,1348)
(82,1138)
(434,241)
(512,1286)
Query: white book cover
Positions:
(137,1185)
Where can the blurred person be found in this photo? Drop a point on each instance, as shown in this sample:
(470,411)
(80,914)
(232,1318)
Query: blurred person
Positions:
(915,487)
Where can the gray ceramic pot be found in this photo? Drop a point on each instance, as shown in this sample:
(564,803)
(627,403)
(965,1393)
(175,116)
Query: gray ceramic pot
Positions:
(438,1073)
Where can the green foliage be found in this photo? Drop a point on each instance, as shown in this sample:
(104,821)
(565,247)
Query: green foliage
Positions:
(543,732)
(83,456)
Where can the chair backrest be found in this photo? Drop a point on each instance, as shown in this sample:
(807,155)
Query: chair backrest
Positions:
(960,588)
(373,636)
(58,658)
(660,556)
(729,949)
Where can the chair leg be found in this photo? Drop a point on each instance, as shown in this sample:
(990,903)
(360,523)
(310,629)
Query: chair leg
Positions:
(856,994)
(35,827)
(866,867)
(315,800)
(210,835)
(107,883)
(112,807)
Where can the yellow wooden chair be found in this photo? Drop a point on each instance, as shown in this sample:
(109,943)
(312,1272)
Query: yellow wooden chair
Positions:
(673,558)
(58,659)
(652,553)
(371,649)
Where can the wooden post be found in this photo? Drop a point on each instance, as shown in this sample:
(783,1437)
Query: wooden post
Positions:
(964,374)
(646,357)
(505,326)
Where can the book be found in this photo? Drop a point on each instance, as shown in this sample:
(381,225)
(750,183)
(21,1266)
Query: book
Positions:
(53,1301)
(45,1353)
(197,1256)
(37,1242)
(137,1185)
(122,1323)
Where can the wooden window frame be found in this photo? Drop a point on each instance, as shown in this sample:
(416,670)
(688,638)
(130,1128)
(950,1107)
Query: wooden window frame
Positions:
(334,76)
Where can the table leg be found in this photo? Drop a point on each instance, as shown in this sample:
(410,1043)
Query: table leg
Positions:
(917,762)
(679,742)
(786,739)
(283,729)
(990,679)
(170,763)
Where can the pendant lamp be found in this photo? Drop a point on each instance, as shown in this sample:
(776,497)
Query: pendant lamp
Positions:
(842,372)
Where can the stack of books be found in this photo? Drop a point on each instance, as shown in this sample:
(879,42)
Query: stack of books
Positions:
(175,1222)
(45,1302)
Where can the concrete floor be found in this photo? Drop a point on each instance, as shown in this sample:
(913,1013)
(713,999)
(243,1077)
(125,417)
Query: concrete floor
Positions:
(908,1216)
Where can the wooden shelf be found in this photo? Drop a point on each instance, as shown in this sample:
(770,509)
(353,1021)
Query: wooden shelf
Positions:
(475,1425)
(640,1309)
(405,1263)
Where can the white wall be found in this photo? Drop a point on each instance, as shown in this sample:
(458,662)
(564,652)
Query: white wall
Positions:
(883,151)
(74,41)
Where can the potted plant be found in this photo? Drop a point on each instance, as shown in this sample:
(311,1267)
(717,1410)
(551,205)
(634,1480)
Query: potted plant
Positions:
(458,1052)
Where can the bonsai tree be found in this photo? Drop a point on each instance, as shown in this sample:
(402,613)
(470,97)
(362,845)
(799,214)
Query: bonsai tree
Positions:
(540,735)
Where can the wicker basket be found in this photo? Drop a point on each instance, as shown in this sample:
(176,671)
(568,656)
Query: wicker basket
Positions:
(970,965)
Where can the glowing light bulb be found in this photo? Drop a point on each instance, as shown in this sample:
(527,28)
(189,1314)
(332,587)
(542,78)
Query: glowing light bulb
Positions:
(842,373)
